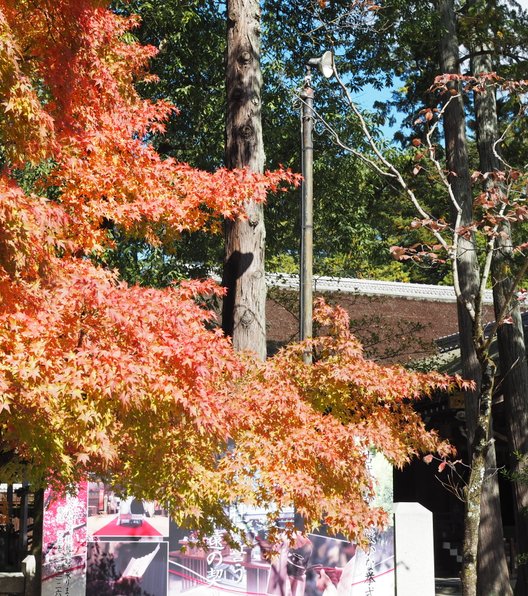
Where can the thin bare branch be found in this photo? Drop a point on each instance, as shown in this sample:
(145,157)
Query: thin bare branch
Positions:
(394,171)
(337,140)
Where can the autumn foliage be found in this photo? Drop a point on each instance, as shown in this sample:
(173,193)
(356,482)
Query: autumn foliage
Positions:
(137,385)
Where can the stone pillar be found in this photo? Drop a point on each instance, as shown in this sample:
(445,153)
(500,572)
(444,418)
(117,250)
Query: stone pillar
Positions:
(414,551)
(29,568)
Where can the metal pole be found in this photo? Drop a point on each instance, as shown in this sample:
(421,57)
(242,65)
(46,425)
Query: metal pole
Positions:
(306,277)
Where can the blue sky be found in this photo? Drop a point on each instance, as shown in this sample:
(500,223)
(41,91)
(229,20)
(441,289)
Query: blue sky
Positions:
(369,95)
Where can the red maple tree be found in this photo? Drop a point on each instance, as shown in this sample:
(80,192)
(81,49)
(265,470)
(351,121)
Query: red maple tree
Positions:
(134,384)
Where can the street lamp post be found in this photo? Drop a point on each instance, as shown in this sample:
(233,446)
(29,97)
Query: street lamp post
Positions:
(325,65)
(307,97)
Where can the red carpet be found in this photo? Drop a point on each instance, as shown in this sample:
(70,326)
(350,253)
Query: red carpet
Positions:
(112,529)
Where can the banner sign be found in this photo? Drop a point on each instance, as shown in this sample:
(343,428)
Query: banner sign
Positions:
(64,544)
(100,544)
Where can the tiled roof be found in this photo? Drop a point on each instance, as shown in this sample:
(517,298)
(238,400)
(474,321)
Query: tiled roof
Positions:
(369,287)
(451,342)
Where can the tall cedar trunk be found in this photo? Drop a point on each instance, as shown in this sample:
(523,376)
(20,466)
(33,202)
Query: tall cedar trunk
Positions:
(243,313)
(512,352)
(482,522)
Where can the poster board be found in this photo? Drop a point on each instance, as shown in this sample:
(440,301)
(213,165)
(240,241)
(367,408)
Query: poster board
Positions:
(100,544)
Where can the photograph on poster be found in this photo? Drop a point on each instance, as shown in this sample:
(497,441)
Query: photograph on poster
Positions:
(127,568)
(300,565)
(113,516)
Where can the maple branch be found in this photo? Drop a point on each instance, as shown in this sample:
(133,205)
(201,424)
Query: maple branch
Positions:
(393,171)
(455,489)
(455,483)
(487,269)
(458,209)
(337,140)
(489,255)
(364,126)
(388,169)
(500,140)
(81,338)
(432,155)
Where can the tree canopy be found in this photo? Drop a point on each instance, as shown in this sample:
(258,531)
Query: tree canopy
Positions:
(137,385)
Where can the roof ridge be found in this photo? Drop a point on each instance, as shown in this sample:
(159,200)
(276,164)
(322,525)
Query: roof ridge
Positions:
(372,287)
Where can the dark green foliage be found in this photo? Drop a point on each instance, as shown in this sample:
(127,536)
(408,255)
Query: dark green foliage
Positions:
(141,263)
(190,71)
(191,74)
(358,215)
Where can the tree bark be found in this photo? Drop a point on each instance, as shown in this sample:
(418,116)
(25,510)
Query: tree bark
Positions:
(510,337)
(484,559)
(482,491)
(243,312)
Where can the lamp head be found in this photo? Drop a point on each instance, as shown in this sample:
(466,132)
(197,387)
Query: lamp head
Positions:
(324,64)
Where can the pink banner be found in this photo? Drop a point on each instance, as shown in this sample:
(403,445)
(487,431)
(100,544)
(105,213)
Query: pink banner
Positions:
(64,543)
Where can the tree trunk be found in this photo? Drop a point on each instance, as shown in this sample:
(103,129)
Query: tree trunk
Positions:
(482,558)
(479,504)
(512,351)
(243,312)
